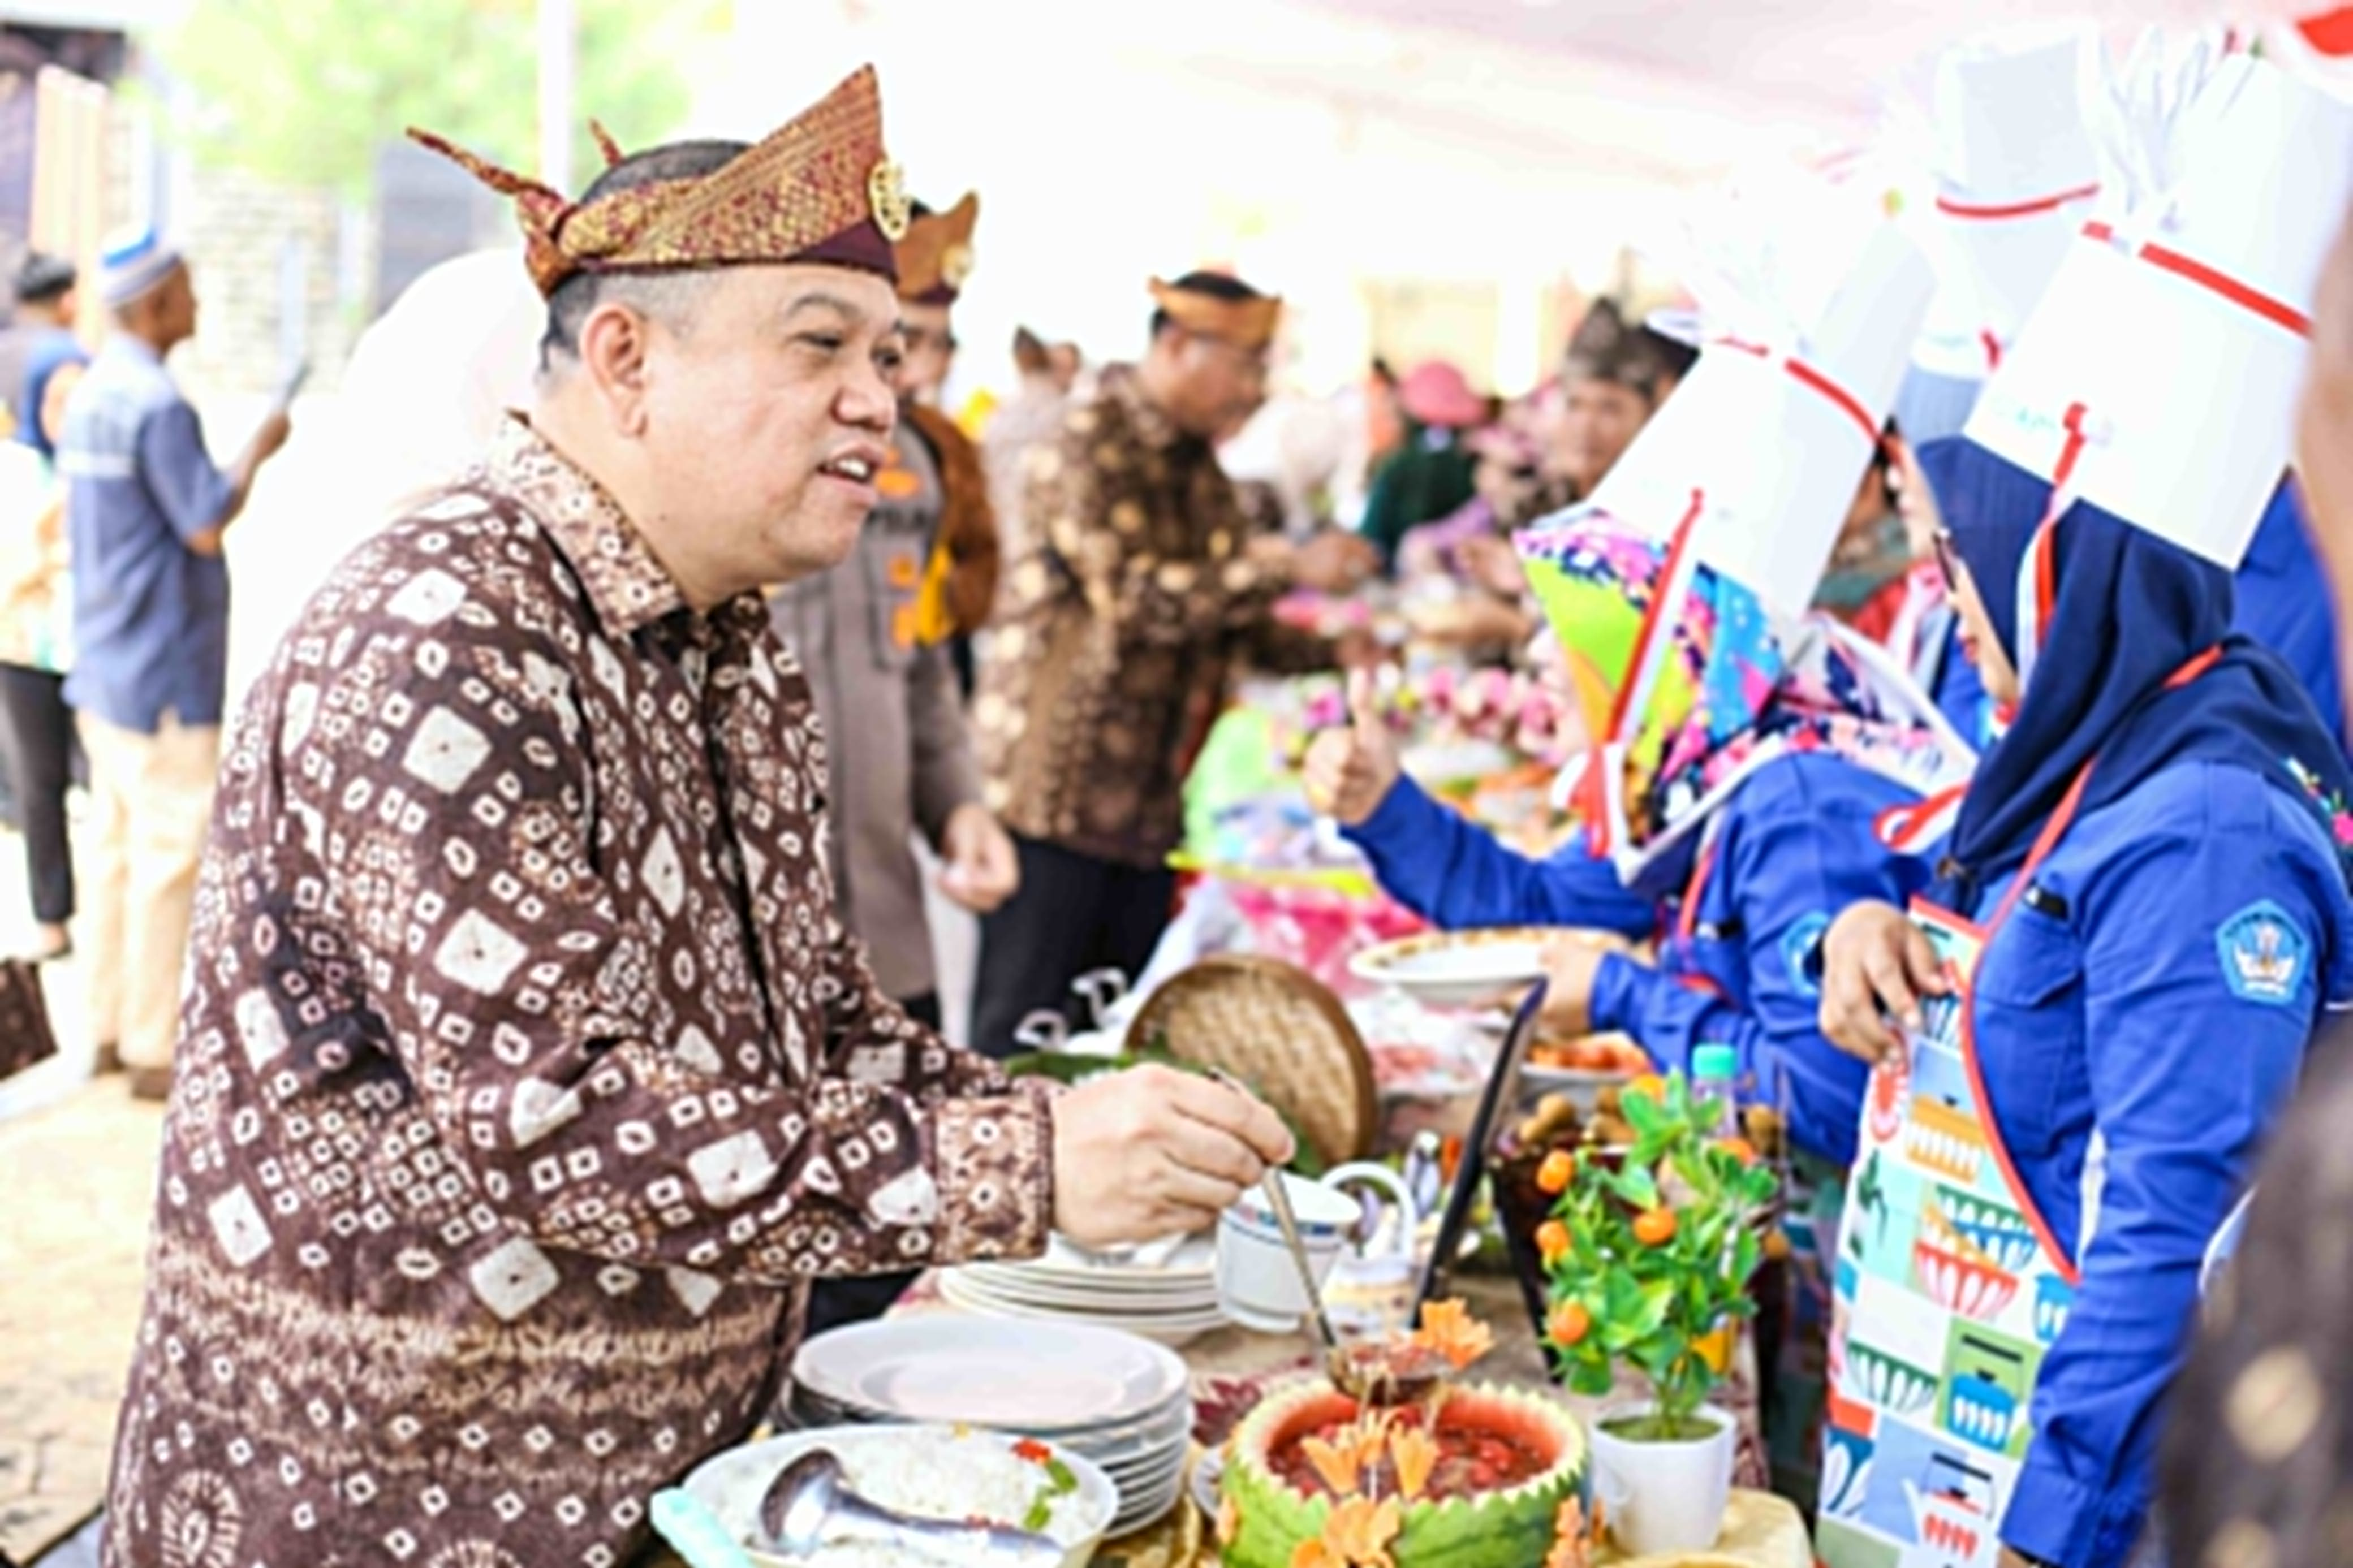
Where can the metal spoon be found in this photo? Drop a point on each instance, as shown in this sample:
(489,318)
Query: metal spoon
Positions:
(1280,1202)
(809,1506)
(1370,1375)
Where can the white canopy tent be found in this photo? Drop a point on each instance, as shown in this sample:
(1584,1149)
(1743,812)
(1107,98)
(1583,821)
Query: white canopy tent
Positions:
(1331,148)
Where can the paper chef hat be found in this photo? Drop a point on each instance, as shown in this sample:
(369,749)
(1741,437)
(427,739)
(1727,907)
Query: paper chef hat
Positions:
(2158,379)
(2015,176)
(1761,448)
(2314,40)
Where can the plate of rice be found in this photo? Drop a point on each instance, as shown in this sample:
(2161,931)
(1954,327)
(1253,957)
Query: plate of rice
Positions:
(957,1474)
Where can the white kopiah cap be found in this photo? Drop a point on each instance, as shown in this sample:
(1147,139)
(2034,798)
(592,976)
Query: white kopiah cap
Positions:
(133,265)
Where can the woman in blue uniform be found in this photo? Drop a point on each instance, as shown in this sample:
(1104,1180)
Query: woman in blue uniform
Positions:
(2143,912)
(1749,809)
(1760,809)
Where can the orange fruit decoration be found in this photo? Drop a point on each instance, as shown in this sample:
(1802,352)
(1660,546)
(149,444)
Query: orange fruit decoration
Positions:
(1568,1324)
(1655,1227)
(1552,1240)
(1552,1176)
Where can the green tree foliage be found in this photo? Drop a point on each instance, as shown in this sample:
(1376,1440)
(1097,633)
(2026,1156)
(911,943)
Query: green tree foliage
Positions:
(306,92)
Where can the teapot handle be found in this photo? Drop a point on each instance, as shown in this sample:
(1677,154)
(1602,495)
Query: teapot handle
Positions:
(1390,1184)
(1043,1030)
(1102,990)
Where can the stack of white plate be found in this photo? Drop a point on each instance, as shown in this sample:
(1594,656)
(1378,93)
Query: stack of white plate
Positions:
(1110,1397)
(1168,1296)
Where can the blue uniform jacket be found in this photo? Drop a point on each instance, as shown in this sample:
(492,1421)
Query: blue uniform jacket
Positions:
(1452,873)
(2157,987)
(2282,602)
(1790,848)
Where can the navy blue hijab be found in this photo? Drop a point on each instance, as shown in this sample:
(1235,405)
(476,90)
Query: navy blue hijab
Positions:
(2129,612)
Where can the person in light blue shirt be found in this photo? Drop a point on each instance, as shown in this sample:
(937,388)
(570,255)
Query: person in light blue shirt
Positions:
(146,511)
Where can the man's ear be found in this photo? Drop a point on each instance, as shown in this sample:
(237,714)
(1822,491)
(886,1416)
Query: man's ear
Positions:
(613,346)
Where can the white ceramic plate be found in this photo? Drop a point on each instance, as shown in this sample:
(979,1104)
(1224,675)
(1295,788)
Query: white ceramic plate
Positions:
(1042,1378)
(730,1484)
(1151,1479)
(1114,1447)
(1170,1332)
(1189,1296)
(1581,1085)
(1195,1254)
(1147,1508)
(1114,1313)
(1456,969)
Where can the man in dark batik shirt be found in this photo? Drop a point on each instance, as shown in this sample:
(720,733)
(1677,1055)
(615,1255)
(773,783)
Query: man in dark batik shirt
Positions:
(528,1072)
(1140,587)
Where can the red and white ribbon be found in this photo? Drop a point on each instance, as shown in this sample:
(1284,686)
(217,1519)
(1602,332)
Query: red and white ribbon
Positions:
(1996,212)
(2279,312)
(1846,402)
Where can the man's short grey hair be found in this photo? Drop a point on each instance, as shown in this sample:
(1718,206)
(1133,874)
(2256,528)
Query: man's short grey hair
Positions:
(667,296)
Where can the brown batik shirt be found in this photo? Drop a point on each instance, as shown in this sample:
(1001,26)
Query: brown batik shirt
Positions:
(1132,596)
(525,1071)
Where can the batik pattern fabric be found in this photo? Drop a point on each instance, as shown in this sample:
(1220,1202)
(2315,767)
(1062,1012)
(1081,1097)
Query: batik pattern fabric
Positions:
(1731,691)
(525,1072)
(1134,599)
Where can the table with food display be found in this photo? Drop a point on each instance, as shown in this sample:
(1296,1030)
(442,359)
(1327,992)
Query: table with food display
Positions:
(1500,1311)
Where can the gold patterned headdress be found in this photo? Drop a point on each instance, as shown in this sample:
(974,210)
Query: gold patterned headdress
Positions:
(935,257)
(1246,323)
(820,188)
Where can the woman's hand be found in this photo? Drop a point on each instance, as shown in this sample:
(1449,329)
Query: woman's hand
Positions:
(1351,771)
(1572,965)
(1876,966)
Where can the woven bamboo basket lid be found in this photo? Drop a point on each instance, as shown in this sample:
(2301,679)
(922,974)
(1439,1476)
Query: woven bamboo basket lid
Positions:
(1280,1030)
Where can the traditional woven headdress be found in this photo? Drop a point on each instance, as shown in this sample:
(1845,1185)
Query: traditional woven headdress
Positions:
(1246,323)
(820,188)
(935,257)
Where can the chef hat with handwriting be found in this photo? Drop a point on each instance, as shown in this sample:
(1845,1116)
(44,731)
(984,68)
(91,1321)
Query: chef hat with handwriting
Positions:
(2157,378)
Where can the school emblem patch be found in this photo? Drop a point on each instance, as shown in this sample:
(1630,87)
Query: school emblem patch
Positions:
(1800,945)
(2265,956)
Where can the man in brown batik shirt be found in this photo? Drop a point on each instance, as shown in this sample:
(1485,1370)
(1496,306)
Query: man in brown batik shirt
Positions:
(527,1072)
(1140,583)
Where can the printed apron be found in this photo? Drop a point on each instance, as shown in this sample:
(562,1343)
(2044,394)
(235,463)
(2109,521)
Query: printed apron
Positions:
(1947,1293)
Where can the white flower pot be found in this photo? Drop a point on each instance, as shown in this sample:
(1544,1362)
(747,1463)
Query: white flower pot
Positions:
(1664,1497)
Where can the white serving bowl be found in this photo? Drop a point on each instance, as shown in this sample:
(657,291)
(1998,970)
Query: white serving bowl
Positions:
(730,1484)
